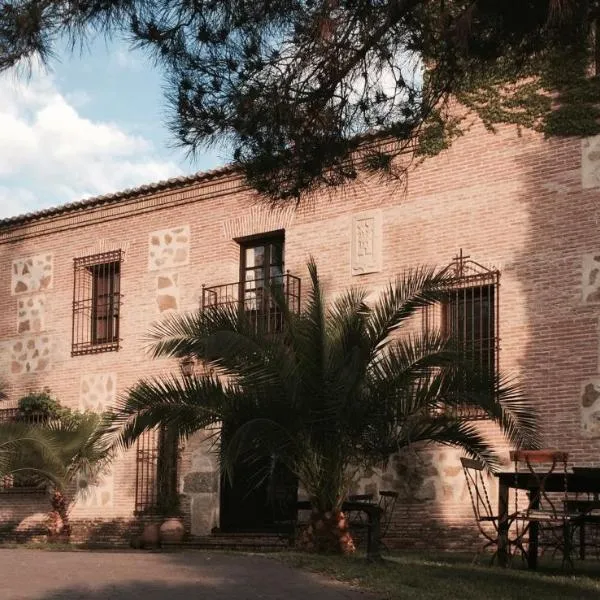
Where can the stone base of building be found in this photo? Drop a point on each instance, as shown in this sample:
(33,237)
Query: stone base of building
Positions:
(112,533)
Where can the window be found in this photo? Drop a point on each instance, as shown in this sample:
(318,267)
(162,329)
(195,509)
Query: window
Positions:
(469,314)
(262,284)
(261,264)
(146,472)
(97,303)
(261,270)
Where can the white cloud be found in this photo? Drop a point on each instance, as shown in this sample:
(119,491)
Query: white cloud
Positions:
(127,59)
(51,154)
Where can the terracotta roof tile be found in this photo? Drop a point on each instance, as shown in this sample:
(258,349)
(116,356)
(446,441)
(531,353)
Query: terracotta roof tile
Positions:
(117,196)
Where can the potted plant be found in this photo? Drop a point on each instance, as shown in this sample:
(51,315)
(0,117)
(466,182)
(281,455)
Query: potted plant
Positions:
(172,529)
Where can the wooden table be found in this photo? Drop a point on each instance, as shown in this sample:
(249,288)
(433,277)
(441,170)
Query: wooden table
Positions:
(373,512)
(554,482)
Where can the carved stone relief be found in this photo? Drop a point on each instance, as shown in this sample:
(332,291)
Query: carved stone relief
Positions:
(32,274)
(366,243)
(169,248)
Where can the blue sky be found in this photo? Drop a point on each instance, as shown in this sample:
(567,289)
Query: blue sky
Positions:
(91,124)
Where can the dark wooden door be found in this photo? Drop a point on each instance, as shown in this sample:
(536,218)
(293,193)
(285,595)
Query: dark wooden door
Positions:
(269,506)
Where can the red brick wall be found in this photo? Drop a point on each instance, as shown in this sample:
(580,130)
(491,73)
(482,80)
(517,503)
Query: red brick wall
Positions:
(509,201)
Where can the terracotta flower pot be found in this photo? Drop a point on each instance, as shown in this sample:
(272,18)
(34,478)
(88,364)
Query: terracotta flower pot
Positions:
(150,536)
(172,531)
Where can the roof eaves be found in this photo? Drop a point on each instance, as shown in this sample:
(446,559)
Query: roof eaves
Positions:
(95,201)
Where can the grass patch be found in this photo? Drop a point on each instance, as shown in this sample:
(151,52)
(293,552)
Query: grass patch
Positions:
(450,576)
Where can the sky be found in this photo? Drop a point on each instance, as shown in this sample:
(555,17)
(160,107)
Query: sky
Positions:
(92,123)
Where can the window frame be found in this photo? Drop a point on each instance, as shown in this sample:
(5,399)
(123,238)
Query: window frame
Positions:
(87,309)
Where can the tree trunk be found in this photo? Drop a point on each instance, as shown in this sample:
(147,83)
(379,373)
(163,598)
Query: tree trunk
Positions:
(328,533)
(60,528)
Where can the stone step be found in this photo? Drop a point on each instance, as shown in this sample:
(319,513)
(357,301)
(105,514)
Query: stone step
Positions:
(235,541)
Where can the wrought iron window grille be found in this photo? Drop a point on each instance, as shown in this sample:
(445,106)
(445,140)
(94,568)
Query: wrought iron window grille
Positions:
(157,468)
(146,484)
(469,315)
(97,303)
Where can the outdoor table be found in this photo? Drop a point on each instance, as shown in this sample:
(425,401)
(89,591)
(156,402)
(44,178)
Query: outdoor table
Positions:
(373,512)
(554,482)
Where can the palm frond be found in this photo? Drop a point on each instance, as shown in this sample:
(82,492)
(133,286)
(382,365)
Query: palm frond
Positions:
(411,292)
(256,439)
(184,404)
(313,350)
(338,389)
(453,432)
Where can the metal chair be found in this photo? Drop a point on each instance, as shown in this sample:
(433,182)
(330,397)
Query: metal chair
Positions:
(357,519)
(485,517)
(545,518)
(387,503)
(587,505)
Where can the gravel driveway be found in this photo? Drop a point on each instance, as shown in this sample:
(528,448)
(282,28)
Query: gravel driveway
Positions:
(45,575)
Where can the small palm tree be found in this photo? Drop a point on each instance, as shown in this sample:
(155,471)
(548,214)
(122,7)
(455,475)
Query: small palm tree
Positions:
(55,454)
(338,390)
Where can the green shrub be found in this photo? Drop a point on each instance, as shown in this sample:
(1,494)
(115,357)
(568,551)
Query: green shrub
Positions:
(40,403)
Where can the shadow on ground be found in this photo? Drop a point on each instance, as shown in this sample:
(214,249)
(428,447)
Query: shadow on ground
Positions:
(47,575)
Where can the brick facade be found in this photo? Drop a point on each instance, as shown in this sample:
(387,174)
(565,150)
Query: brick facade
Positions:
(527,206)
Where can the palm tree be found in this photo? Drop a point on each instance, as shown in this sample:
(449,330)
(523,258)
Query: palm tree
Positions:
(54,454)
(338,390)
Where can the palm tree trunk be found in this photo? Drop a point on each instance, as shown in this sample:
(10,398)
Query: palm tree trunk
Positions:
(60,527)
(328,532)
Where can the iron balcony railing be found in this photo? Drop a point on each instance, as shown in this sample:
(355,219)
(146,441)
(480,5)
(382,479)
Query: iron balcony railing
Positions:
(258,298)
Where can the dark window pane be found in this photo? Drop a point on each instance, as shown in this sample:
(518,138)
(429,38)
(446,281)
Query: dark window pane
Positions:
(277,254)
(468,317)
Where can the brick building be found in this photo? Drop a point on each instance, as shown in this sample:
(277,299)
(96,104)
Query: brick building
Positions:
(525,209)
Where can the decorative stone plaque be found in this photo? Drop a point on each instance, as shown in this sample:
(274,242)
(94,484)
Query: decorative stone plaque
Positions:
(366,243)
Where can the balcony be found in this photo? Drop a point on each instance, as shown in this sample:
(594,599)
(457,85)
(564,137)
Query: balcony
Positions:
(257,299)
